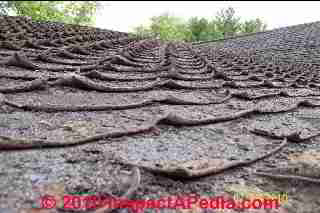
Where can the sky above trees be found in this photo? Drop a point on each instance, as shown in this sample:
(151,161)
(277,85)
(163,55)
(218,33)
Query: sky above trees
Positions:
(224,24)
(124,16)
(171,20)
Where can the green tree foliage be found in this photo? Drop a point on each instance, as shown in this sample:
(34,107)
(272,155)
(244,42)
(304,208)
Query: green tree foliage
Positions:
(227,22)
(223,25)
(251,26)
(202,29)
(142,31)
(71,12)
(166,27)
(198,28)
(81,12)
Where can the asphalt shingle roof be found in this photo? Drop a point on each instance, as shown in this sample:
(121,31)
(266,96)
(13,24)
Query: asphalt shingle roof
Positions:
(64,85)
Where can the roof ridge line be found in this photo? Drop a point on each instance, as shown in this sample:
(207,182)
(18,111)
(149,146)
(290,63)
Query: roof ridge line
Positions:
(250,34)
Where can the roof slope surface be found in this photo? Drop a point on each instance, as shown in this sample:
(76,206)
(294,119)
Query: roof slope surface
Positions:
(47,69)
(66,85)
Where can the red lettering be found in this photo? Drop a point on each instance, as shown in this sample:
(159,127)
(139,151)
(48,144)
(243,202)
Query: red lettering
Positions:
(117,203)
(230,204)
(139,205)
(76,202)
(268,203)
(91,202)
(203,204)
(191,200)
(104,201)
(67,202)
(125,203)
(223,202)
(246,206)
(151,204)
(255,201)
(215,202)
(170,203)
(179,203)
(161,204)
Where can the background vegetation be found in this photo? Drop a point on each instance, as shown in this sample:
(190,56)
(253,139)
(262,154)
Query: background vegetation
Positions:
(70,12)
(167,27)
(224,24)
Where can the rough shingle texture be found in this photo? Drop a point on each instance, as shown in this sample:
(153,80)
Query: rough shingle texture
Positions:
(159,102)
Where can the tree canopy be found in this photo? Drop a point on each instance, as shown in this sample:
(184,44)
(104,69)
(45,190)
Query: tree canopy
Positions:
(165,26)
(223,25)
(71,12)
